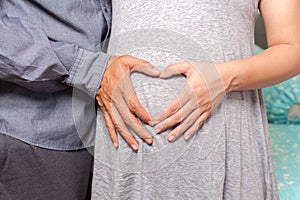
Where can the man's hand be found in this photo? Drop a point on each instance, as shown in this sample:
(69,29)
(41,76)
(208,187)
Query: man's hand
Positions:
(119,103)
(203,92)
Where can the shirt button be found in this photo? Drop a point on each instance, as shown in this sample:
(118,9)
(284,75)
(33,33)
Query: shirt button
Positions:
(105,9)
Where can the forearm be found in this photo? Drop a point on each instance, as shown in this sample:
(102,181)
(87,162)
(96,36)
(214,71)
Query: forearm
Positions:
(275,64)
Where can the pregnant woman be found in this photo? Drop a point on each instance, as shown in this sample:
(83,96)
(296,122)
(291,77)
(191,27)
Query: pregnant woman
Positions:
(229,157)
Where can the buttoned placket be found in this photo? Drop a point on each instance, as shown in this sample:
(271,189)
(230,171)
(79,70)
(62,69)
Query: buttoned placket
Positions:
(107,15)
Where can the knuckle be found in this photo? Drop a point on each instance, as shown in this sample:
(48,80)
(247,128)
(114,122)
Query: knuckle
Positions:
(129,121)
(178,117)
(125,57)
(101,105)
(174,108)
(117,126)
(207,107)
(189,121)
(202,119)
(106,97)
(100,91)
(206,115)
(200,123)
(164,124)
(99,101)
(197,91)
(105,81)
(147,63)
(132,105)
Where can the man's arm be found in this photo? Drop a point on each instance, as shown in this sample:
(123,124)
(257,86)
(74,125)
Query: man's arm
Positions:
(30,59)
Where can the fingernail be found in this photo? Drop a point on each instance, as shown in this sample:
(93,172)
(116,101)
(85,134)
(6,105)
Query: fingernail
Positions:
(149,141)
(171,138)
(156,70)
(187,137)
(155,122)
(151,123)
(157,129)
(116,145)
(135,147)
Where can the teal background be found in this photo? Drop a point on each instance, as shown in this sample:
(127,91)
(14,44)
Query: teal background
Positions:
(285,135)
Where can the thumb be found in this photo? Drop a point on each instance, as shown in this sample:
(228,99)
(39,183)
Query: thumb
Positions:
(139,65)
(174,69)
(147,69)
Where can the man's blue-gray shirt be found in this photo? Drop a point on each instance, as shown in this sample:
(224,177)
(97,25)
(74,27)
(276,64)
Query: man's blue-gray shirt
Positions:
(48,49)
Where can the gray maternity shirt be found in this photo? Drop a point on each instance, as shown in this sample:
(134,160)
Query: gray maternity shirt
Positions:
(230,156)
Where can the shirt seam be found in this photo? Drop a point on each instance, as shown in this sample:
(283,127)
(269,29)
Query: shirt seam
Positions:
(74,69)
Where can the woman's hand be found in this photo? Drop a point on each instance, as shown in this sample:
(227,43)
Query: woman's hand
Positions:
(202,93)
(118,101)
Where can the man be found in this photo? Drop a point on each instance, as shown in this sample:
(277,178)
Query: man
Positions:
(48,50)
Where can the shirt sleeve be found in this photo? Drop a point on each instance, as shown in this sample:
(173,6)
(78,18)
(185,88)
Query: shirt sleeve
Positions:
(85,72)
(30,59)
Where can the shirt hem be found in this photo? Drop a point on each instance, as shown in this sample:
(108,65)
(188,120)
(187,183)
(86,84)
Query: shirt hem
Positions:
(50,147)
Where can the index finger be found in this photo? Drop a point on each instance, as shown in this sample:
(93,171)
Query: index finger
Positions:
(182,98)
(132,101)
(123,130)
(136,107)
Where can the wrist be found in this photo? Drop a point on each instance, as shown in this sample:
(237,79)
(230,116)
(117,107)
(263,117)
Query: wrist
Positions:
(111,60)
(227,75)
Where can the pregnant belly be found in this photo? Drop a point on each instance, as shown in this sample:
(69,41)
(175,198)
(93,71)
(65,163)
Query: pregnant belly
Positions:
(154,94)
